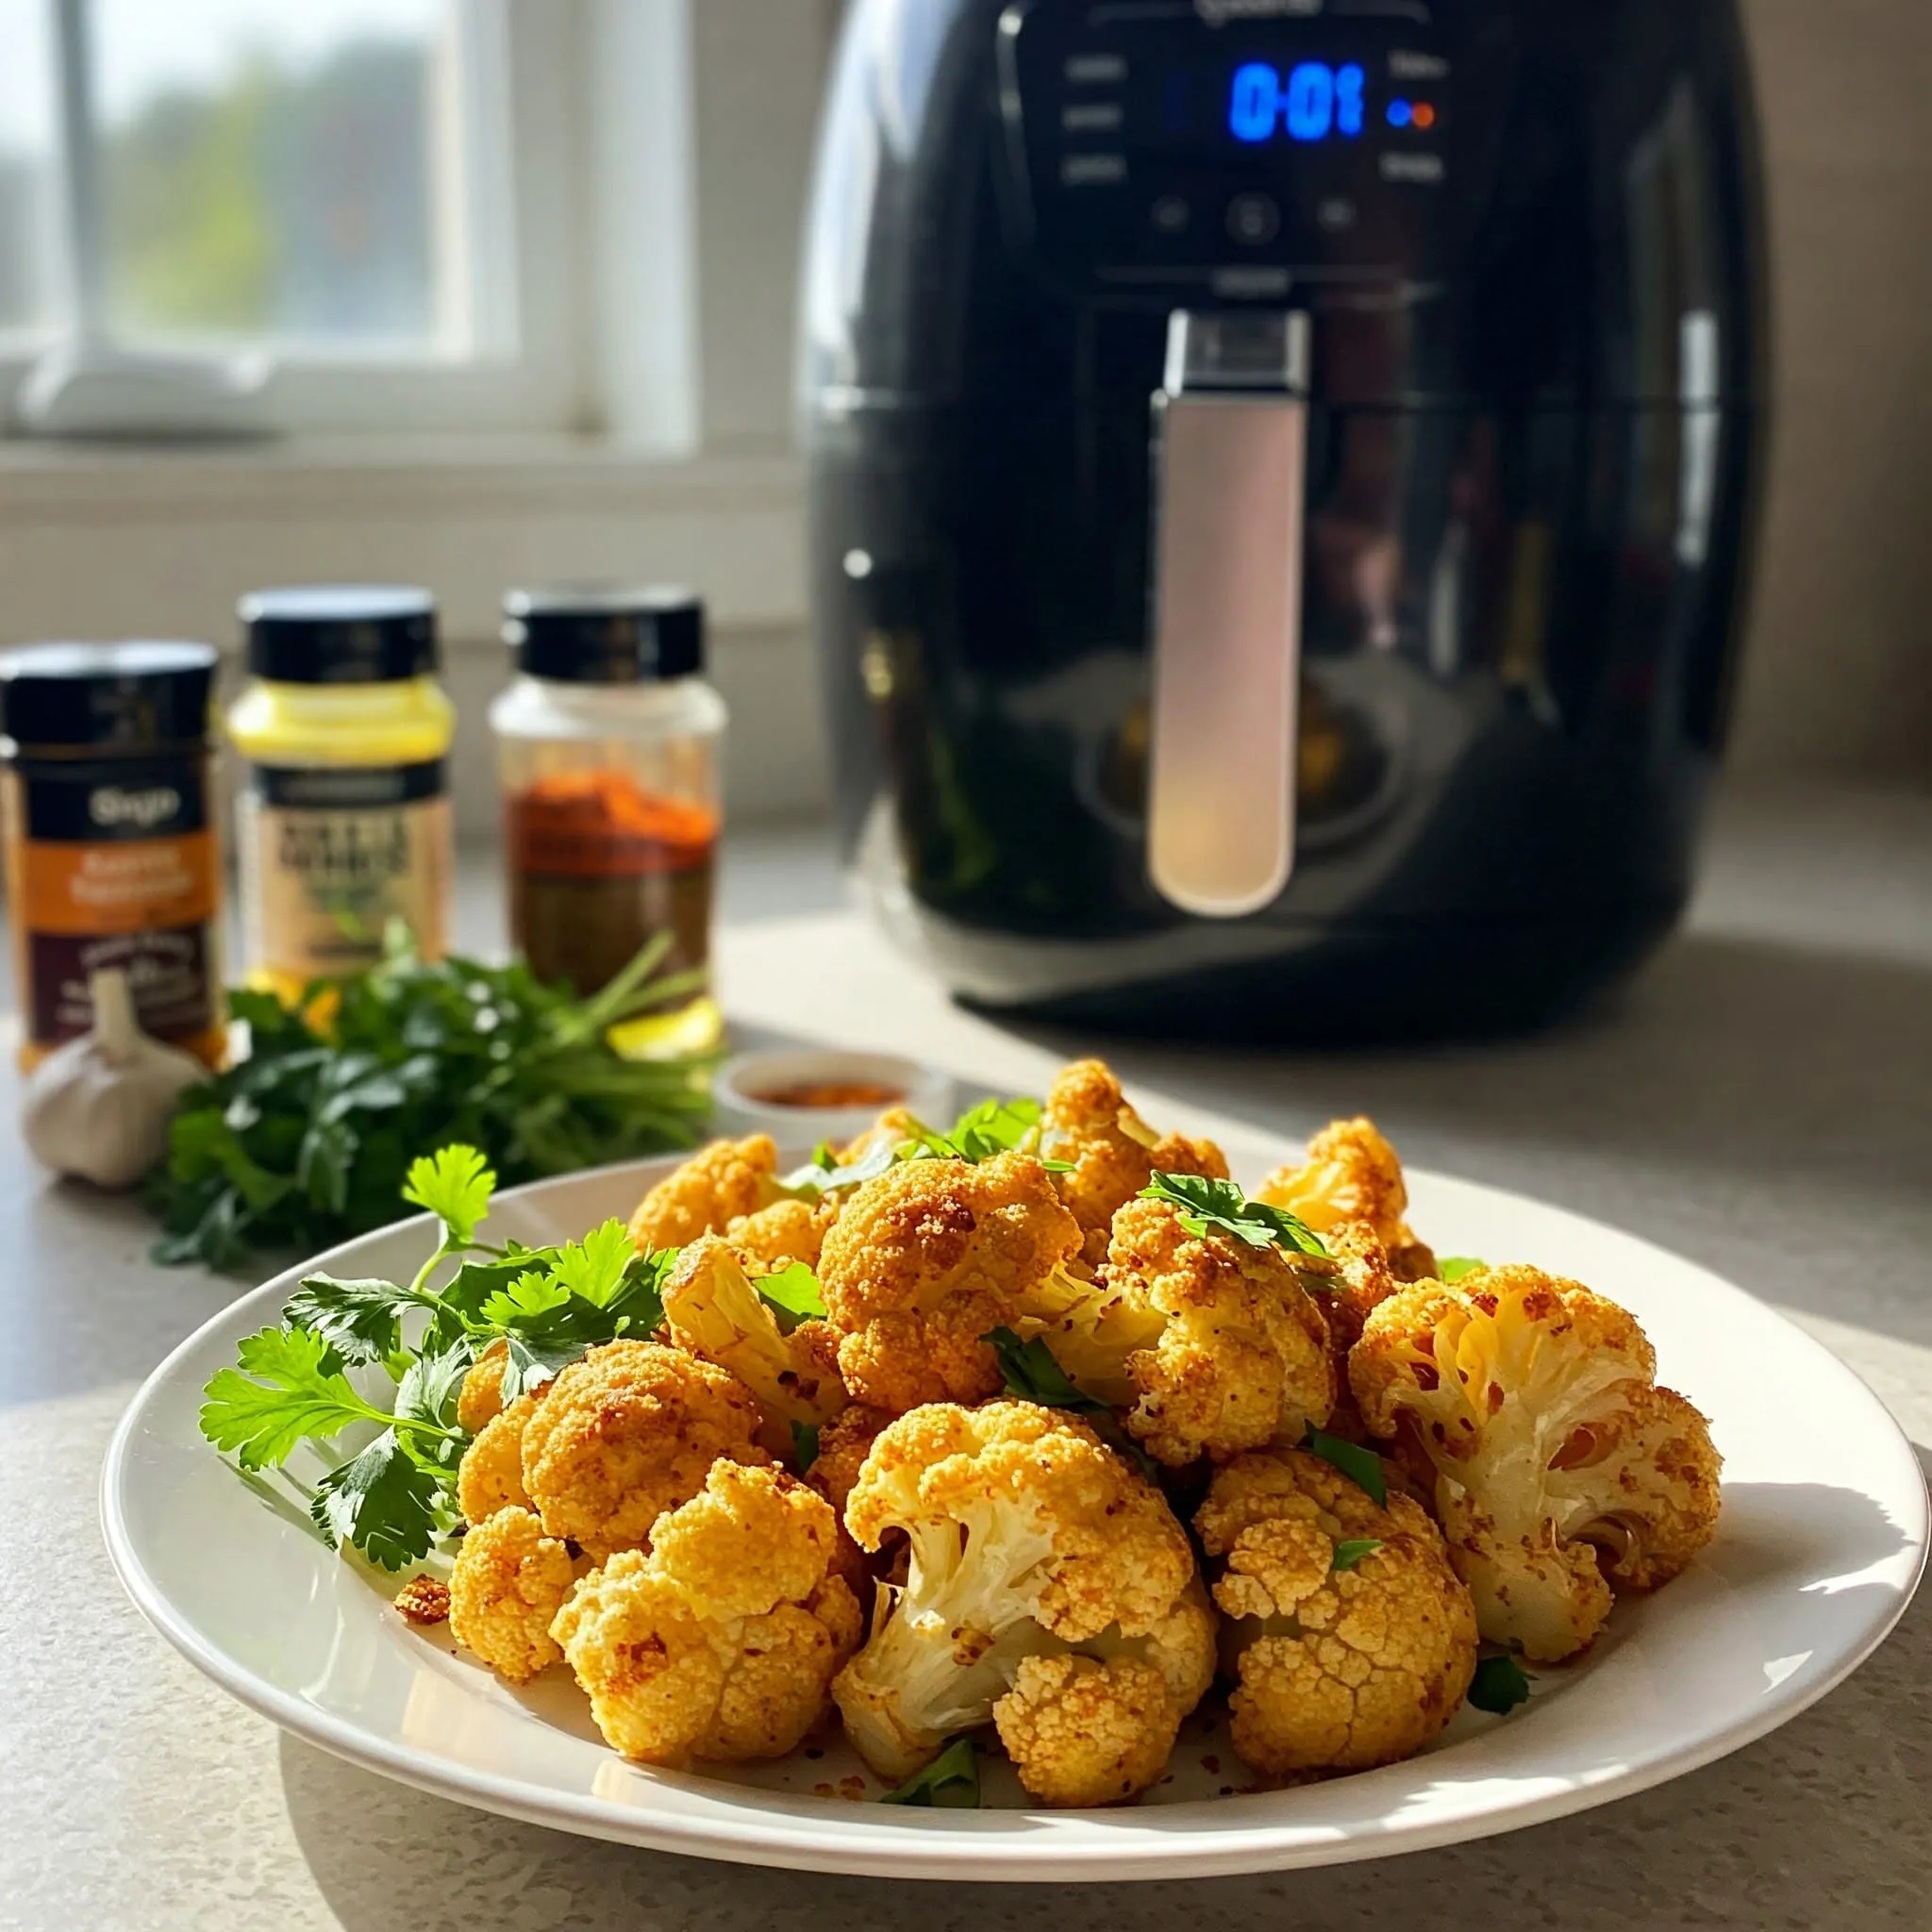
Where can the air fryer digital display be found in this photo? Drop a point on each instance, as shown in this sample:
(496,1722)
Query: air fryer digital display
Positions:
(1152,147)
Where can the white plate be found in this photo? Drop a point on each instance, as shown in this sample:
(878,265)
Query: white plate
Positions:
(1822,1543)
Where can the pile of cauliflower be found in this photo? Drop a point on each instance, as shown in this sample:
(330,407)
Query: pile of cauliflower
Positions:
(1065,1447)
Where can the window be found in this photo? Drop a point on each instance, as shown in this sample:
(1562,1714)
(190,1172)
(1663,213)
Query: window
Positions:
(336,214)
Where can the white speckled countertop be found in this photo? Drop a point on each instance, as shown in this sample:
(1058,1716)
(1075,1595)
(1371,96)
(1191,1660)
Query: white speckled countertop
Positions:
(1760,1100)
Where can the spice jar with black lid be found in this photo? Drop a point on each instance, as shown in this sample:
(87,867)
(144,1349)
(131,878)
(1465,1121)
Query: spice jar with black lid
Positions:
(112,858)
(608,754)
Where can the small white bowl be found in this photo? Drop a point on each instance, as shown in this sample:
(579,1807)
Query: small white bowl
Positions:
(743,1103)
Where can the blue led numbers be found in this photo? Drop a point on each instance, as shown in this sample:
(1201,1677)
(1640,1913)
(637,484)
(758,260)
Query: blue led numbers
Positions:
(1313,101)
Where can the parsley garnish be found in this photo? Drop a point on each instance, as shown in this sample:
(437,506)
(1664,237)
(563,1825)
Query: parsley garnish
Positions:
(1500,1683)
(1222,1206)
(993,1127)
(1033,1374)
(1362,1467)
(792,1294)
(951,1781)
(1452,1268)
(1351,1551)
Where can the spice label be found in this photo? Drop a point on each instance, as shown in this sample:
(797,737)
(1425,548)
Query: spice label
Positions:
(331,855)
(112,863)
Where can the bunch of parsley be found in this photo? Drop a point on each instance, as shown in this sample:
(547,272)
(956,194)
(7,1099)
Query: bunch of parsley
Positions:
(308,1140)
(395,1497)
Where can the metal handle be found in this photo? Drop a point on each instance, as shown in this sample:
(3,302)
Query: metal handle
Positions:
(1232,431)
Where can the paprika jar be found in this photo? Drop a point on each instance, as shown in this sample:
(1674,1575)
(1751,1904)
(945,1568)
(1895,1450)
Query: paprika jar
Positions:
(112,856)
(608,750)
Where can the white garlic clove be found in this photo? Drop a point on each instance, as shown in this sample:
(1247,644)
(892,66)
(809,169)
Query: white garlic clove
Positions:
(99,1107)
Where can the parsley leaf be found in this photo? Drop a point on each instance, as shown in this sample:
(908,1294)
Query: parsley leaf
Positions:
(1452,1268)
(594,1268)
(1362,1467)
(793,1295)
(1033,1374)
(287,1385)
(1500,1683)
(951,1781)
(430,1387)
(1222,1206)
(805,1446)
(360,1319)
(1351,1551)
(455,1184)
(823,1175)
(383,1502)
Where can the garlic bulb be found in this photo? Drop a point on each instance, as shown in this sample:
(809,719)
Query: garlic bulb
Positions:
(100,1106)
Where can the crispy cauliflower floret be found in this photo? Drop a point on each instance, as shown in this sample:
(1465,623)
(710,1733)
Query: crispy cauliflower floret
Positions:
(717,1186)
(1348,1288)
(490,1476)
(928,1259)
(1113,1151)
(1561,1470)
(716,1312)
(786,1231)
(1029,1540)
(1220,1346)
(480,1400)
(509,1581)
(627,1433)
(1336,1669)
(723,1641)
(843,1450)
(1352,1174)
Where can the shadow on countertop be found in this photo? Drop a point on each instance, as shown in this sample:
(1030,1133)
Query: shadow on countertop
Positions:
(1800,1830)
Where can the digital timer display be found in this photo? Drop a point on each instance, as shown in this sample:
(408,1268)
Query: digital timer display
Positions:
(1308,102)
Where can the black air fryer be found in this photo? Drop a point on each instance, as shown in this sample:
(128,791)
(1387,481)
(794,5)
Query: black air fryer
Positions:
(1283,477)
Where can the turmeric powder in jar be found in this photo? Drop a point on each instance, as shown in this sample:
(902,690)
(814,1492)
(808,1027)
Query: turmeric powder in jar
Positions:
(607,751)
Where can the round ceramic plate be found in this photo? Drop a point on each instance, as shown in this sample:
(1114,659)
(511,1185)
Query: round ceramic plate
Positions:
(1822,1543)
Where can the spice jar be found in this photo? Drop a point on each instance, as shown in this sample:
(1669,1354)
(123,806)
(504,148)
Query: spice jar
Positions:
(608,748)
(112,860)
(345,824)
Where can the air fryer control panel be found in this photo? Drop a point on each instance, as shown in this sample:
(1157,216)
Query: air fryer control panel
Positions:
(1161,147)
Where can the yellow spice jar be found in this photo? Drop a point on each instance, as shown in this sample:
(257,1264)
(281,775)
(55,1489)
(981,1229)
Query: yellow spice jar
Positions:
(345,824)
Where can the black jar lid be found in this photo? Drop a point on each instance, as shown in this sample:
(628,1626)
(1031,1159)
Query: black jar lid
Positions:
(606,634)
(124,697)
(341,633)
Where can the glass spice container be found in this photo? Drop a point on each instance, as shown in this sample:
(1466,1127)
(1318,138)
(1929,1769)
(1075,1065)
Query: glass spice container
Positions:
(608,750)
(112,856)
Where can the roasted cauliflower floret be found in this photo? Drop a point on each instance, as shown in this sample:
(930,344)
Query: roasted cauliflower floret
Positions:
(1113,1151)
(719,1644)
(627,1433)
(1218,1346)
(715,1311)
(717,1186)
(1348,1288)
(1352,1174)
(490,1476)
(1029,1540)
(843,1450)
(928,1259)
(1335,1669)
(480,1399)
(509,1581)
(1562,1470)
(786,1231)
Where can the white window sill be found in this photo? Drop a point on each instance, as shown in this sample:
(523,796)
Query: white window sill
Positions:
(103,539)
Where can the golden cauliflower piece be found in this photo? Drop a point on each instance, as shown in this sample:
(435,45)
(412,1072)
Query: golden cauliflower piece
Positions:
(627,1433)
(1029,1540)
(1348,1288)
(1113,1151)
(928,1259)
(490,1476)
(1561,1470)
(1352,1174)
(509,1581)
(1221,1346)
(1337,1669)
(480,1400)
(786,1231)
(722,1642)
(715,1311)
(843,1450)
(717,1186)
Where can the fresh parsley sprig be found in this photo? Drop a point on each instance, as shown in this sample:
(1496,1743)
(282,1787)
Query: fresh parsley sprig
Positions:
(1031,1373)
(1222,1207)
(951,1781)
(993,1127)
(1500,1685)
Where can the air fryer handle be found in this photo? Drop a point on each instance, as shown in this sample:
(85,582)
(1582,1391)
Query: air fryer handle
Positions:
(1231,430)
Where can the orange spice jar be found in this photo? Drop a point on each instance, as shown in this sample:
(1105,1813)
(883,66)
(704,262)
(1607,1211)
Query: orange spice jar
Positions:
(112,856)
(607,751)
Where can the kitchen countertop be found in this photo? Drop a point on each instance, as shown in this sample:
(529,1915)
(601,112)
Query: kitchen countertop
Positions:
(1758,1100)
